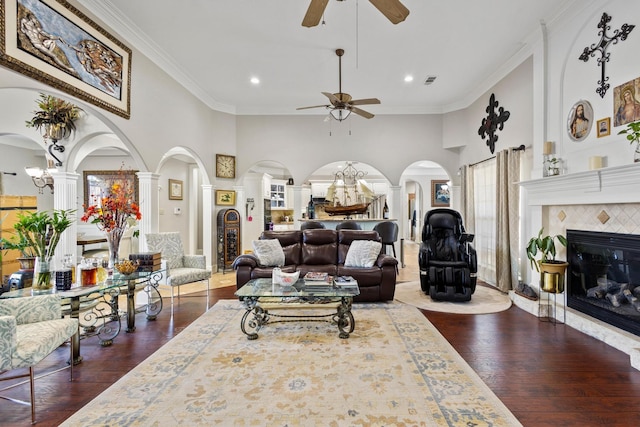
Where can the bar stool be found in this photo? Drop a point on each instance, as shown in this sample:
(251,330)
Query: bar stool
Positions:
(309,225)
(348,225)
(388,232)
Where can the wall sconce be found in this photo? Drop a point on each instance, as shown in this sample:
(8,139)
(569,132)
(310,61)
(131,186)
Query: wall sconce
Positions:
(41,177)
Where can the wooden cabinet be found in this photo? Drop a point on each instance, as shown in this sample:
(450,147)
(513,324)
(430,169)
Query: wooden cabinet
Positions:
(228,239)
(10,206)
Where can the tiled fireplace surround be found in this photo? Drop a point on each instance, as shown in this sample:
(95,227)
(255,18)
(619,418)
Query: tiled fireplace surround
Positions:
(603,200)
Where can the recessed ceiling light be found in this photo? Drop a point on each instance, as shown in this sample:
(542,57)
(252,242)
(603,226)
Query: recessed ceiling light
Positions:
(408,78)
(255,80)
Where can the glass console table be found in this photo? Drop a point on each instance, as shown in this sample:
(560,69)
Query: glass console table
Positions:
(97,308)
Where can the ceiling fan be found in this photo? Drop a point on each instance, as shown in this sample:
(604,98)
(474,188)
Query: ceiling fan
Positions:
(341,103)
(395,11)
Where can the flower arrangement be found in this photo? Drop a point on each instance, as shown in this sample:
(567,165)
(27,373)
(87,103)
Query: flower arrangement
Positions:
(55,115)
(115,209)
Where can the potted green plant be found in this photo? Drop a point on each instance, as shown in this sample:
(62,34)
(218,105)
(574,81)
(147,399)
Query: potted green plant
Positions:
(41,232)
(55,118)
(551,270)
(633,136)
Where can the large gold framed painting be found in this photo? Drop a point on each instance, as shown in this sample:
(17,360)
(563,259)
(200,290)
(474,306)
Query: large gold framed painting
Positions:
(53,42)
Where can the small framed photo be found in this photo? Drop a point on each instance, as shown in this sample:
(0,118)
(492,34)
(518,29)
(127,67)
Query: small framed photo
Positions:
(440,194)
(225,197)
(175,189)
(604,127)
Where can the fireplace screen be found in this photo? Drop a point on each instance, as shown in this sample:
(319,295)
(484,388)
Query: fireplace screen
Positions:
(603,278)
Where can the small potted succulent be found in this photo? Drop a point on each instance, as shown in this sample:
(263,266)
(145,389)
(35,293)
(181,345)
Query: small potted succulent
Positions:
(55,118)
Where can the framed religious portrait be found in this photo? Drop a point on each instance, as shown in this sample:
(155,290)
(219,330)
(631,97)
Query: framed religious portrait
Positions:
(440,194)
(626,107)
(225,197)
(53,42)
(175,189)
(604,127)
(580,120)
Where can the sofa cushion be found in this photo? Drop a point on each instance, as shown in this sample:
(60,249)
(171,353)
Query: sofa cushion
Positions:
(269,252)
(290,240)
(362,253)
(319,247)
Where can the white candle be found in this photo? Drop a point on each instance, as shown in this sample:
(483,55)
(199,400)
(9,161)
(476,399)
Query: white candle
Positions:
(595,162)
(547,148)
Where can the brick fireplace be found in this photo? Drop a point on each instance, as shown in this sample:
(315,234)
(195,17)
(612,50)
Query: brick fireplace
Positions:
(605,200)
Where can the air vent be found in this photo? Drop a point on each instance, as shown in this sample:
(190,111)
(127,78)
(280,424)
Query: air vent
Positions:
(429,80)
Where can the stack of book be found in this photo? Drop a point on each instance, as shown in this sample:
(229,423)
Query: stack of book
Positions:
(148,261)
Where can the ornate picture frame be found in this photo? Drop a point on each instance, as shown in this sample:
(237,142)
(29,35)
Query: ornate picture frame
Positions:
(440,193)
(95,182)
(53,42)
(175,189)
(580,120)
(225,197)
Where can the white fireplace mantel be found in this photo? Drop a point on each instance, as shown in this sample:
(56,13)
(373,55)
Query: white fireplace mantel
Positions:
(620,184)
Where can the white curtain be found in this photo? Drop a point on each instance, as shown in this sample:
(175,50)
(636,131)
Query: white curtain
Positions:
(484,225)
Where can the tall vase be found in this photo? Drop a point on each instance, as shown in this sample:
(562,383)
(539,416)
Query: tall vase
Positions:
(113,239)
(42,282)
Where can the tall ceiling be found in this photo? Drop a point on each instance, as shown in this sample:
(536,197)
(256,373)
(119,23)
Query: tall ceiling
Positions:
(215,47)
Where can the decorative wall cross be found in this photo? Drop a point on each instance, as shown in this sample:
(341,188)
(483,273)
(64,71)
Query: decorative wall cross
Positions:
(602,46)
(493,122)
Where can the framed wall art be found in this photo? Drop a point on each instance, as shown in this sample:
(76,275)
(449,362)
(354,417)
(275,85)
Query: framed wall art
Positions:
(626,108)
(580,120)
(225,197)
(604,127)
(53,42)
(175,189)
(440,195)
(97,182)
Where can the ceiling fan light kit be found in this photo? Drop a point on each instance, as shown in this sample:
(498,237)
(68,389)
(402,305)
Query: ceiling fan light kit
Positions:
(341,104)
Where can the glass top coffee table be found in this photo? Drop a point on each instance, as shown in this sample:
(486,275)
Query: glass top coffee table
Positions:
(259,296)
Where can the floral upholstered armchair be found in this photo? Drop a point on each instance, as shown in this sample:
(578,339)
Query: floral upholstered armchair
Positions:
(31,328)
(181,269)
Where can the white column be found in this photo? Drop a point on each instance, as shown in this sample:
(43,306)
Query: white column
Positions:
(149,206)
(394,200)
(65,197)
(208,229)
(297,205)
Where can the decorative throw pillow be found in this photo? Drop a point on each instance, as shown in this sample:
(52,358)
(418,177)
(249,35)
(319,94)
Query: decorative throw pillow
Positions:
(269,252)
(362,253)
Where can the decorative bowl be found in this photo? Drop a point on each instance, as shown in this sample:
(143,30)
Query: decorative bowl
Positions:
(126,267)
(288,279)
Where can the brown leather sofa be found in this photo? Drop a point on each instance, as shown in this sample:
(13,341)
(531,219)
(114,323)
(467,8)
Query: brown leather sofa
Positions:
(322,250)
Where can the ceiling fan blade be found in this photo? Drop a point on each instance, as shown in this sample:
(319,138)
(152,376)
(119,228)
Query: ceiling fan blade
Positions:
(395,11)
(313,106)
(314,13)
(365,101)
(334,99)
(358,111)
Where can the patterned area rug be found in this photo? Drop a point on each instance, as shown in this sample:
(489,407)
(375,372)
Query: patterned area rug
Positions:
(394,370)
(483,301)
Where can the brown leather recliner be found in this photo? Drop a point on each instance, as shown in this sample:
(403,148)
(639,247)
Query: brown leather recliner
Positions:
(322,250)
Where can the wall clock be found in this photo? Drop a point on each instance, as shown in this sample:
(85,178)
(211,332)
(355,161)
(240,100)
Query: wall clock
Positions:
(225,166)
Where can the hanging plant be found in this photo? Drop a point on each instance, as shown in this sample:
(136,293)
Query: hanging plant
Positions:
(55,117)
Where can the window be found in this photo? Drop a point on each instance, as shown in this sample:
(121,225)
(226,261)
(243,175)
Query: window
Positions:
(484,188)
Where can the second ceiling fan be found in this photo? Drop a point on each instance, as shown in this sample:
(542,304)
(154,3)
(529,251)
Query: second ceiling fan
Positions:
(395,11)
(341,103)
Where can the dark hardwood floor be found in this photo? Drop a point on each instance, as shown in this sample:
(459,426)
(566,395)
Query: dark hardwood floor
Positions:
(546,375)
